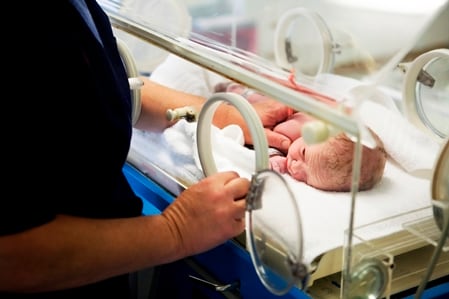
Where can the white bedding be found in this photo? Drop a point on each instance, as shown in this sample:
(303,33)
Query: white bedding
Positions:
(325,215)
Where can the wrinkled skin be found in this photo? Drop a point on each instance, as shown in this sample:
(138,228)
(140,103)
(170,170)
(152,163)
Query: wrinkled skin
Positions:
(214,207)
(328,165)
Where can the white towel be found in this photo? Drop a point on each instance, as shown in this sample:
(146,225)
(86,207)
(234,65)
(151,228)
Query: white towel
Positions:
(172,151)
(229,152)
(411,148)
(324,215)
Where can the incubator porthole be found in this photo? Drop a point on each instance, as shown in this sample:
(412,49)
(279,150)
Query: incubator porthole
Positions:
(204,144)
(369,279)
(276,257)
(433,101)
(303,43)
(440,188)
(426,92)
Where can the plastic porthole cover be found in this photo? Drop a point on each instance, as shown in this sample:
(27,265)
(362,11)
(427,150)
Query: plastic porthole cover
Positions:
(411,101)
(280,267)
(281,33)
(276,247)
(252,120)
(440,187)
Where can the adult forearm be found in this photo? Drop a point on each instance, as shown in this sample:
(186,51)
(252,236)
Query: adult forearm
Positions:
(71,251)
(157,99)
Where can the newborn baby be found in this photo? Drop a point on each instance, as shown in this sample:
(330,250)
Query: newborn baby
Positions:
(328,165)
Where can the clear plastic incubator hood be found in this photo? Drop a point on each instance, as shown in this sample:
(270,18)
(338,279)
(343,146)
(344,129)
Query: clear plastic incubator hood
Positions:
(366,69)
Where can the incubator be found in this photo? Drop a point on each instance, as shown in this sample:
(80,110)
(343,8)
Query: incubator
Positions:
(357,67)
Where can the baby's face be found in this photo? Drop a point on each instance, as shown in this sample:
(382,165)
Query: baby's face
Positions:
(324,166)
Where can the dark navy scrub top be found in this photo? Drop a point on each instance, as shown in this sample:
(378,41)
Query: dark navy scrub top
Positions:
(69,125)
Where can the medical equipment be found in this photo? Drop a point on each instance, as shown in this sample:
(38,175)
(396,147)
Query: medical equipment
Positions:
(366,263)
(134,82)
(424,98)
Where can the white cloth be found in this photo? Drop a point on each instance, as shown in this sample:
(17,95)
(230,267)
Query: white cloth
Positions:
(408,146)
(324,215)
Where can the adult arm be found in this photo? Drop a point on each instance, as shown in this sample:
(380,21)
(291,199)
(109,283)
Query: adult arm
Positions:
(72,251)
(157,99)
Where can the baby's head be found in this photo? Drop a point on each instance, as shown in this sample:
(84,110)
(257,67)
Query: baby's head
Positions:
(328,165)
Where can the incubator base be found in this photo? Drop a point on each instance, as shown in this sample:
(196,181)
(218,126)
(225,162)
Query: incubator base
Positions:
(408,271)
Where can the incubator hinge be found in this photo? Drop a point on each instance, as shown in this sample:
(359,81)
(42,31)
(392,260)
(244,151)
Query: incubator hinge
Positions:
(254,197)
(423,77)
(299,270)
(288,51)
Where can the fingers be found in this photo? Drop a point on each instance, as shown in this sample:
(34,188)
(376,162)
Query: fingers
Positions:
(240,210)
(277,140)
(278,164)
(209,212)
(238,187)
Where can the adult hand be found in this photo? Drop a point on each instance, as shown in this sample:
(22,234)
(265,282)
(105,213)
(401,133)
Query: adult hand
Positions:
(208,213)
(292,126)
(270,111)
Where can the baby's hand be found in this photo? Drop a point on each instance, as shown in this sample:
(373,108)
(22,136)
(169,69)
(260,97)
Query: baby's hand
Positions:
(278,163)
